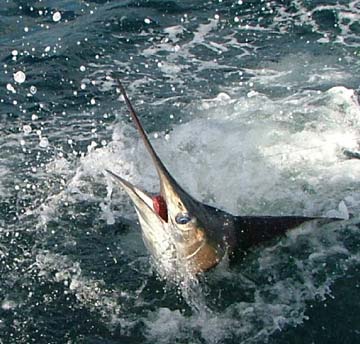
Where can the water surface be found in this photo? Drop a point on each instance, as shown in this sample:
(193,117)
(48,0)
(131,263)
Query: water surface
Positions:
(249,104)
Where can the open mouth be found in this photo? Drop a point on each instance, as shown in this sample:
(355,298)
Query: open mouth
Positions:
(160,207)
(154,206)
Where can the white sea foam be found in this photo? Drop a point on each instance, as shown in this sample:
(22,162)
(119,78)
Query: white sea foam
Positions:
(277,154)
(88,291)
(303,15)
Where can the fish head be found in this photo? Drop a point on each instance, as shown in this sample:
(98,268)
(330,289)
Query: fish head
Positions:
(182,235)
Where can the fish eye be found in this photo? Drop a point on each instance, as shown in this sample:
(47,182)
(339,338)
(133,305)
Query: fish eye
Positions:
(182,218)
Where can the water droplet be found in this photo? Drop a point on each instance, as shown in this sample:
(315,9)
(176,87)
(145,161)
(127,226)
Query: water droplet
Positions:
(44,142)
(82,68)
(56,16)
(19,77)
(8,304)
(27,129)
(33,89)
(223,97)
(147,21)
(10,88)
(251,94)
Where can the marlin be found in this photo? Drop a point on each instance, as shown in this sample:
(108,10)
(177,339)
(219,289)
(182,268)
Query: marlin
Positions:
(185,236)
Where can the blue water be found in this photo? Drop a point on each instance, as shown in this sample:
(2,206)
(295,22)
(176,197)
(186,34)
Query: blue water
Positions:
(249,103)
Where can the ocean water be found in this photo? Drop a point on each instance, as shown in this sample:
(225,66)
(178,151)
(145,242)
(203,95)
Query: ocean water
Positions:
(249,103)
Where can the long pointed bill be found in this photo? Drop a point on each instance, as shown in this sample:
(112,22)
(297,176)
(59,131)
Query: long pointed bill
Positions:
(169,188)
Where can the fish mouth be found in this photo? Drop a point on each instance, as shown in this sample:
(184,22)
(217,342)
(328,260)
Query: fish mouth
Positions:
(152,208)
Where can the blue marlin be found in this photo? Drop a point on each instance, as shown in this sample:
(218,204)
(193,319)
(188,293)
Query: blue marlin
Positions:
(185,236)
